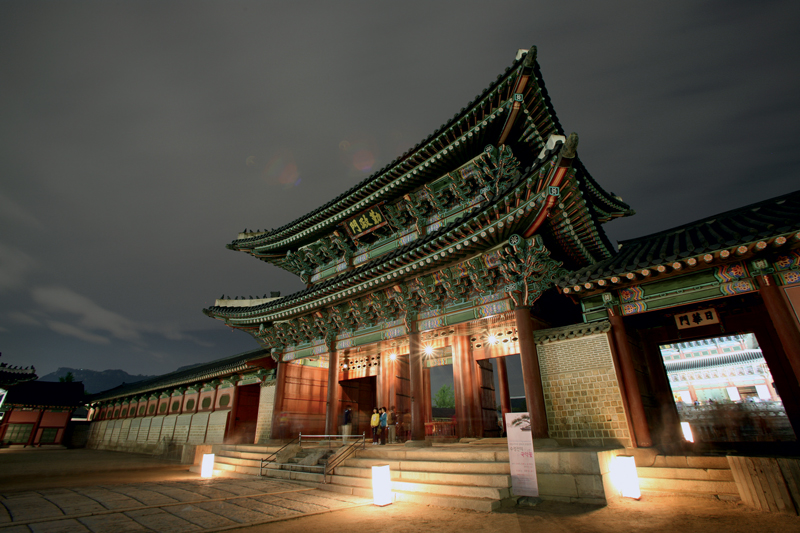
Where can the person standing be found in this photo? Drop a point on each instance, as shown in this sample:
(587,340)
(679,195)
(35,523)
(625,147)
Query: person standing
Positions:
(384,420)
(375,423)
(347,427)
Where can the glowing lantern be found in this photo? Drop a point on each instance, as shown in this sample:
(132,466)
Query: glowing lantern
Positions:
(381,485)
(207,470)
(687,431)
(624,477)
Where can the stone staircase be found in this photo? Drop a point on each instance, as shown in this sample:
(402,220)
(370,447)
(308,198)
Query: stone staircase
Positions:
(478,476)
(472,479)
(297,464)
(698,476)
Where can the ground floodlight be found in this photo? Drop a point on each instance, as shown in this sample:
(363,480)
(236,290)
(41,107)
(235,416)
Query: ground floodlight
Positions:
(207,470)
(381,485)
(625,478)
(687,431)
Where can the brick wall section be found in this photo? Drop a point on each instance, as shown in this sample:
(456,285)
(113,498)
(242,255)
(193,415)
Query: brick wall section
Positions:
(266,404)
(581,393)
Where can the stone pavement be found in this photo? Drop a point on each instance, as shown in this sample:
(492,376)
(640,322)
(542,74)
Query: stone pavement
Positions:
(173,506)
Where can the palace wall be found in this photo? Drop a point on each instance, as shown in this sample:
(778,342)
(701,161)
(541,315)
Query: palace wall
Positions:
(582,395)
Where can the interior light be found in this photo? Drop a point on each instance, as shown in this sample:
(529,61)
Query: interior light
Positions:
(625,478)
(428,350)
(393,356)
(207,470)
(492,339)
(381,485)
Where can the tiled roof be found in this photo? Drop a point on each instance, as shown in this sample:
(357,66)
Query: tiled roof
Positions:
(45,394)
(742,226)
(9,375)
(423,149)
(228,365)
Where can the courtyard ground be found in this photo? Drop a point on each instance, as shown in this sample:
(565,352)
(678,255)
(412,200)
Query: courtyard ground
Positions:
(89,490)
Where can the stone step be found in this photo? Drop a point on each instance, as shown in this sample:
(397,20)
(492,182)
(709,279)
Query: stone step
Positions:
(250,448)
(256,456)
(470,480)
(485,505)
(472,467)
(689,486)
(700,474)
(434,455)
(491,493)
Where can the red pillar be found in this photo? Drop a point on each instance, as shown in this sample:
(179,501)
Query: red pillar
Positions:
(641,430)
(280,388)
(780,314)
(417,389)
(460,344)
(531,374)
(505,396)
(332,403)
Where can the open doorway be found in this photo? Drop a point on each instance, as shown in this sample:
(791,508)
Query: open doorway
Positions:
(724,390)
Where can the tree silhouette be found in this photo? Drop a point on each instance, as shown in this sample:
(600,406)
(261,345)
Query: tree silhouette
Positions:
(445,397)
(69,378)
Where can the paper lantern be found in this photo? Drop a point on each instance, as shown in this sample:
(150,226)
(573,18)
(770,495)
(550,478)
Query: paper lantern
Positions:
(625,478)
(207,470)
(381,485)
(687,431)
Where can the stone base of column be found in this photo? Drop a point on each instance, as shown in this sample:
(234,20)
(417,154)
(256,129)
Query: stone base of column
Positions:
(418,443)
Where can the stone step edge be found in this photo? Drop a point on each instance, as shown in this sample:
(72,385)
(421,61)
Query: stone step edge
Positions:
(423,488)
(448,479)
(486,505)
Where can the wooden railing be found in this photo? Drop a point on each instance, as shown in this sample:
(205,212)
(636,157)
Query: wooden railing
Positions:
(440,429)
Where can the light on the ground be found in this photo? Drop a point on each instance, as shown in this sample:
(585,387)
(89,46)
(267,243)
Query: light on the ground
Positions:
(381,485)
(687,431)
(428,350)
(624,477)
(208,465)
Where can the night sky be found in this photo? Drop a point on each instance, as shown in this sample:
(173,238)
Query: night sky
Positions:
(138,138)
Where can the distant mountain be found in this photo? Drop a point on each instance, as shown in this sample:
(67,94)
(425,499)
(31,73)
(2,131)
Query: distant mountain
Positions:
(95,381)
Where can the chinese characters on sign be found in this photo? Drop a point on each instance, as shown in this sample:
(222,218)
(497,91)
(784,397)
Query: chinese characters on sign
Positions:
(365,222)
(520,455)
(703,317)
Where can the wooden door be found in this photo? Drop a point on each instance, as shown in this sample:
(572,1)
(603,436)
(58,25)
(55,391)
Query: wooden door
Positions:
(488,405)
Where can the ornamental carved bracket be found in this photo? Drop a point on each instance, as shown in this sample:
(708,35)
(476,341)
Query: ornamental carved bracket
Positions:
(503,167)
(528,269)
(382,307)
(428,294)
(481,277)
(360,312)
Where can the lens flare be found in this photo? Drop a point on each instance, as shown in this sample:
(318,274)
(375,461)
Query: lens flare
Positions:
(282,170)
(363,160)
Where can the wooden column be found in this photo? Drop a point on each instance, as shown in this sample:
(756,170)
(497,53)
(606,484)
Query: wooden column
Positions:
(780,314)
(460,344)
(280,389)
(531,374)
(417,389)
(641,430)
(332,402)
(505,396)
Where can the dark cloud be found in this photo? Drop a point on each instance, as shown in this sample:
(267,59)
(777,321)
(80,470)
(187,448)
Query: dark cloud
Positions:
(137,138)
